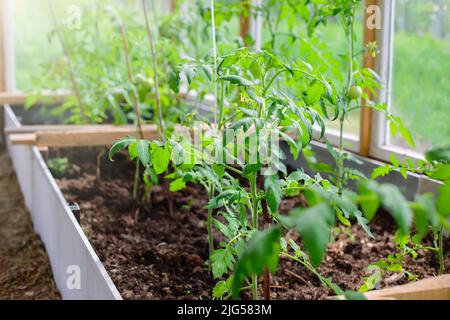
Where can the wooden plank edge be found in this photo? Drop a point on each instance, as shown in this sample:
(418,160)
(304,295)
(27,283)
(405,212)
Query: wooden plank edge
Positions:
(19,98)
(86,136)
(58,127)
(23,138)
(437,288)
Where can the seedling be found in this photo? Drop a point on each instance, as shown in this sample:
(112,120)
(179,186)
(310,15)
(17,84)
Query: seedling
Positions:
(58,166)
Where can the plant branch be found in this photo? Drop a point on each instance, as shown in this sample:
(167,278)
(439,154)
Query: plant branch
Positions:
(209,222)
(136,179)
(214,49)
(130,77)
(255,202)
(267,222)
(441,250)
(155,71)
(266,88)
(340,162)
(232,169)
(73,80)
(307,266)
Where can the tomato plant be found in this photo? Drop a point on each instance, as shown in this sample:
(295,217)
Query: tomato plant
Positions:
(144,67)
(256,93)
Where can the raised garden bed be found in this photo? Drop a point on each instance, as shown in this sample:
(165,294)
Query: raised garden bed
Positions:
(151,254)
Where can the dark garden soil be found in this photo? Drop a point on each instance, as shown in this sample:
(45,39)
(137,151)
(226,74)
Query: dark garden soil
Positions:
(152,254)
(25,272)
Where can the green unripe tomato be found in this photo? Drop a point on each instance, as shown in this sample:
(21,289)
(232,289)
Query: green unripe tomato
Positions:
(355,92)
(139,78)
(147,83)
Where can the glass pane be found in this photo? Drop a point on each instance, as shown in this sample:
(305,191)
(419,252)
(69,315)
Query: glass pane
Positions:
(31,28)
(33,21)
(195,19)
(421,79)
(33,24)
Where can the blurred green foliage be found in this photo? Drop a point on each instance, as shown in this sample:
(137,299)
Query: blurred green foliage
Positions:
(421,82)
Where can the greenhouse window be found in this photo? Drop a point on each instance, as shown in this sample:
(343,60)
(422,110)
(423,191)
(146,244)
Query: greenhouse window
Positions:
(421,64)
(410,30)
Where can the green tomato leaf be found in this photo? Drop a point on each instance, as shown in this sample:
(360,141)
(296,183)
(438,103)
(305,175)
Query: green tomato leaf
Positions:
(222,260)
(120,145)
(208,71)
(293,146)
(443,203)
(219,170)
(406,134)
(177,185)
(174,80)
(394,160)
(254,96)
(314,225)
(132,151)
(394,202)
(426,214)
(370,202)
(440,155)
(314,92)
(441,172)
(273,192)
(238,80)
(142,147)
(160,159)
(381,171)
(219,289)
(251,168)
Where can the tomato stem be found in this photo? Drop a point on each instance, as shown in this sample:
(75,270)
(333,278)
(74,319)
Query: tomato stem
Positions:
(209,222)
(441,250)
(136,179)
(73,81)
(255,202)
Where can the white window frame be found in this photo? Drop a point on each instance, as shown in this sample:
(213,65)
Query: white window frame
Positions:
(7,65)
(380,142)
